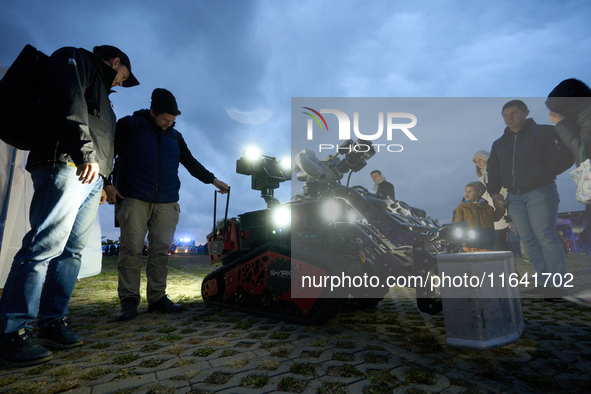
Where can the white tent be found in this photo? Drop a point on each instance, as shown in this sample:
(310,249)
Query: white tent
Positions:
(16,191)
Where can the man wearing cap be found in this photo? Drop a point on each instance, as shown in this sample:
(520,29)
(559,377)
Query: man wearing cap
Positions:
(145,189)
(68,162)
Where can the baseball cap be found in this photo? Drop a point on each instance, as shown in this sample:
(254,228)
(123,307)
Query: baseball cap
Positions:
(109,52)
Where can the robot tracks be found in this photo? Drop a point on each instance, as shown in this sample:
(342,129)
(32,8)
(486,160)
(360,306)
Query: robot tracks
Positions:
(260,282)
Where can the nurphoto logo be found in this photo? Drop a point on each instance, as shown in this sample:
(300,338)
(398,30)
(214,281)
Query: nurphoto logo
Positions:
(344,129)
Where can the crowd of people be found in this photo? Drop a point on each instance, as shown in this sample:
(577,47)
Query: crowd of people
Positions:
(515,200)
(84,157)
(519,175)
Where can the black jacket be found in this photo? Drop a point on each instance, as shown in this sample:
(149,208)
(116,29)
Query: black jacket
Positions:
(523,161)
(80,125)
(572,99)
(386,189)
(148,159)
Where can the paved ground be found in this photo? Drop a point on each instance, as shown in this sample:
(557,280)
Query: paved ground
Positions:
(392,348)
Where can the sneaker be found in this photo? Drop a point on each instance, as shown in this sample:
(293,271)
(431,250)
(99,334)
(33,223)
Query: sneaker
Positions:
(128,309)
(581,298)
(19,349)
(58,334)
(164,305)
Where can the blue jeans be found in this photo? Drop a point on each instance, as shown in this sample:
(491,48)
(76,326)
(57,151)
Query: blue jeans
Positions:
(62,213)
(534,214)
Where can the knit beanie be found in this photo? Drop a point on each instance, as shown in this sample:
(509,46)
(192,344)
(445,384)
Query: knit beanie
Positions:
(164,102)
(479,187)
(568,97)
(481,154)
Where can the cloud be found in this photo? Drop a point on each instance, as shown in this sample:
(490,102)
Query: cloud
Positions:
(258,116)
(255,56)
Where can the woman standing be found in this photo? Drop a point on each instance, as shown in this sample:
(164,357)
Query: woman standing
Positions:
(570,106)
(501,227)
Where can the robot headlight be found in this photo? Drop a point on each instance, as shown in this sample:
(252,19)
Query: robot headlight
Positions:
(282,217)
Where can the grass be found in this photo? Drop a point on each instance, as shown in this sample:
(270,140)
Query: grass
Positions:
(374,359)
(62,386)
(66,370)
(243,325)
(311,354)
(182,362)
(345,344)
(75,355)
(239,363)
(175,350)
(268,365)
(281,351)
(95,373)
(380,377)
(126,346)
(333,388)
(292,385)
(204,352)
(186,376)
(345,371)
(343,357)
(28,388)
(269,344)
(171,338)
(158,389)
(375,347)
(279,335)
(167,329)
(5,381)
(415,375)
(228,353)
(151,347)
(124,359)
(318,343)
(217,342)
(35,371)
(218,378)
(254,381)
(304,368)
(101,345)
(151,362)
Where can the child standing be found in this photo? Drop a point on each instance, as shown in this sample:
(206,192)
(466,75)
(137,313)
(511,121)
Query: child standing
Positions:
(480,217)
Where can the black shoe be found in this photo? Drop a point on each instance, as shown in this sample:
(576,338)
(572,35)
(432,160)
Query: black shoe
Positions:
(128,309)
(164,305)
(58,334)
(19,349)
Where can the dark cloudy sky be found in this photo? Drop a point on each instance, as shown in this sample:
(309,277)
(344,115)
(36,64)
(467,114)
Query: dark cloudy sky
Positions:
(249,58)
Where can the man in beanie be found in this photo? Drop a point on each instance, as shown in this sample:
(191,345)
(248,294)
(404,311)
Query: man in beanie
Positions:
(526,160)
(69,159)
(145,189)
(479,215)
